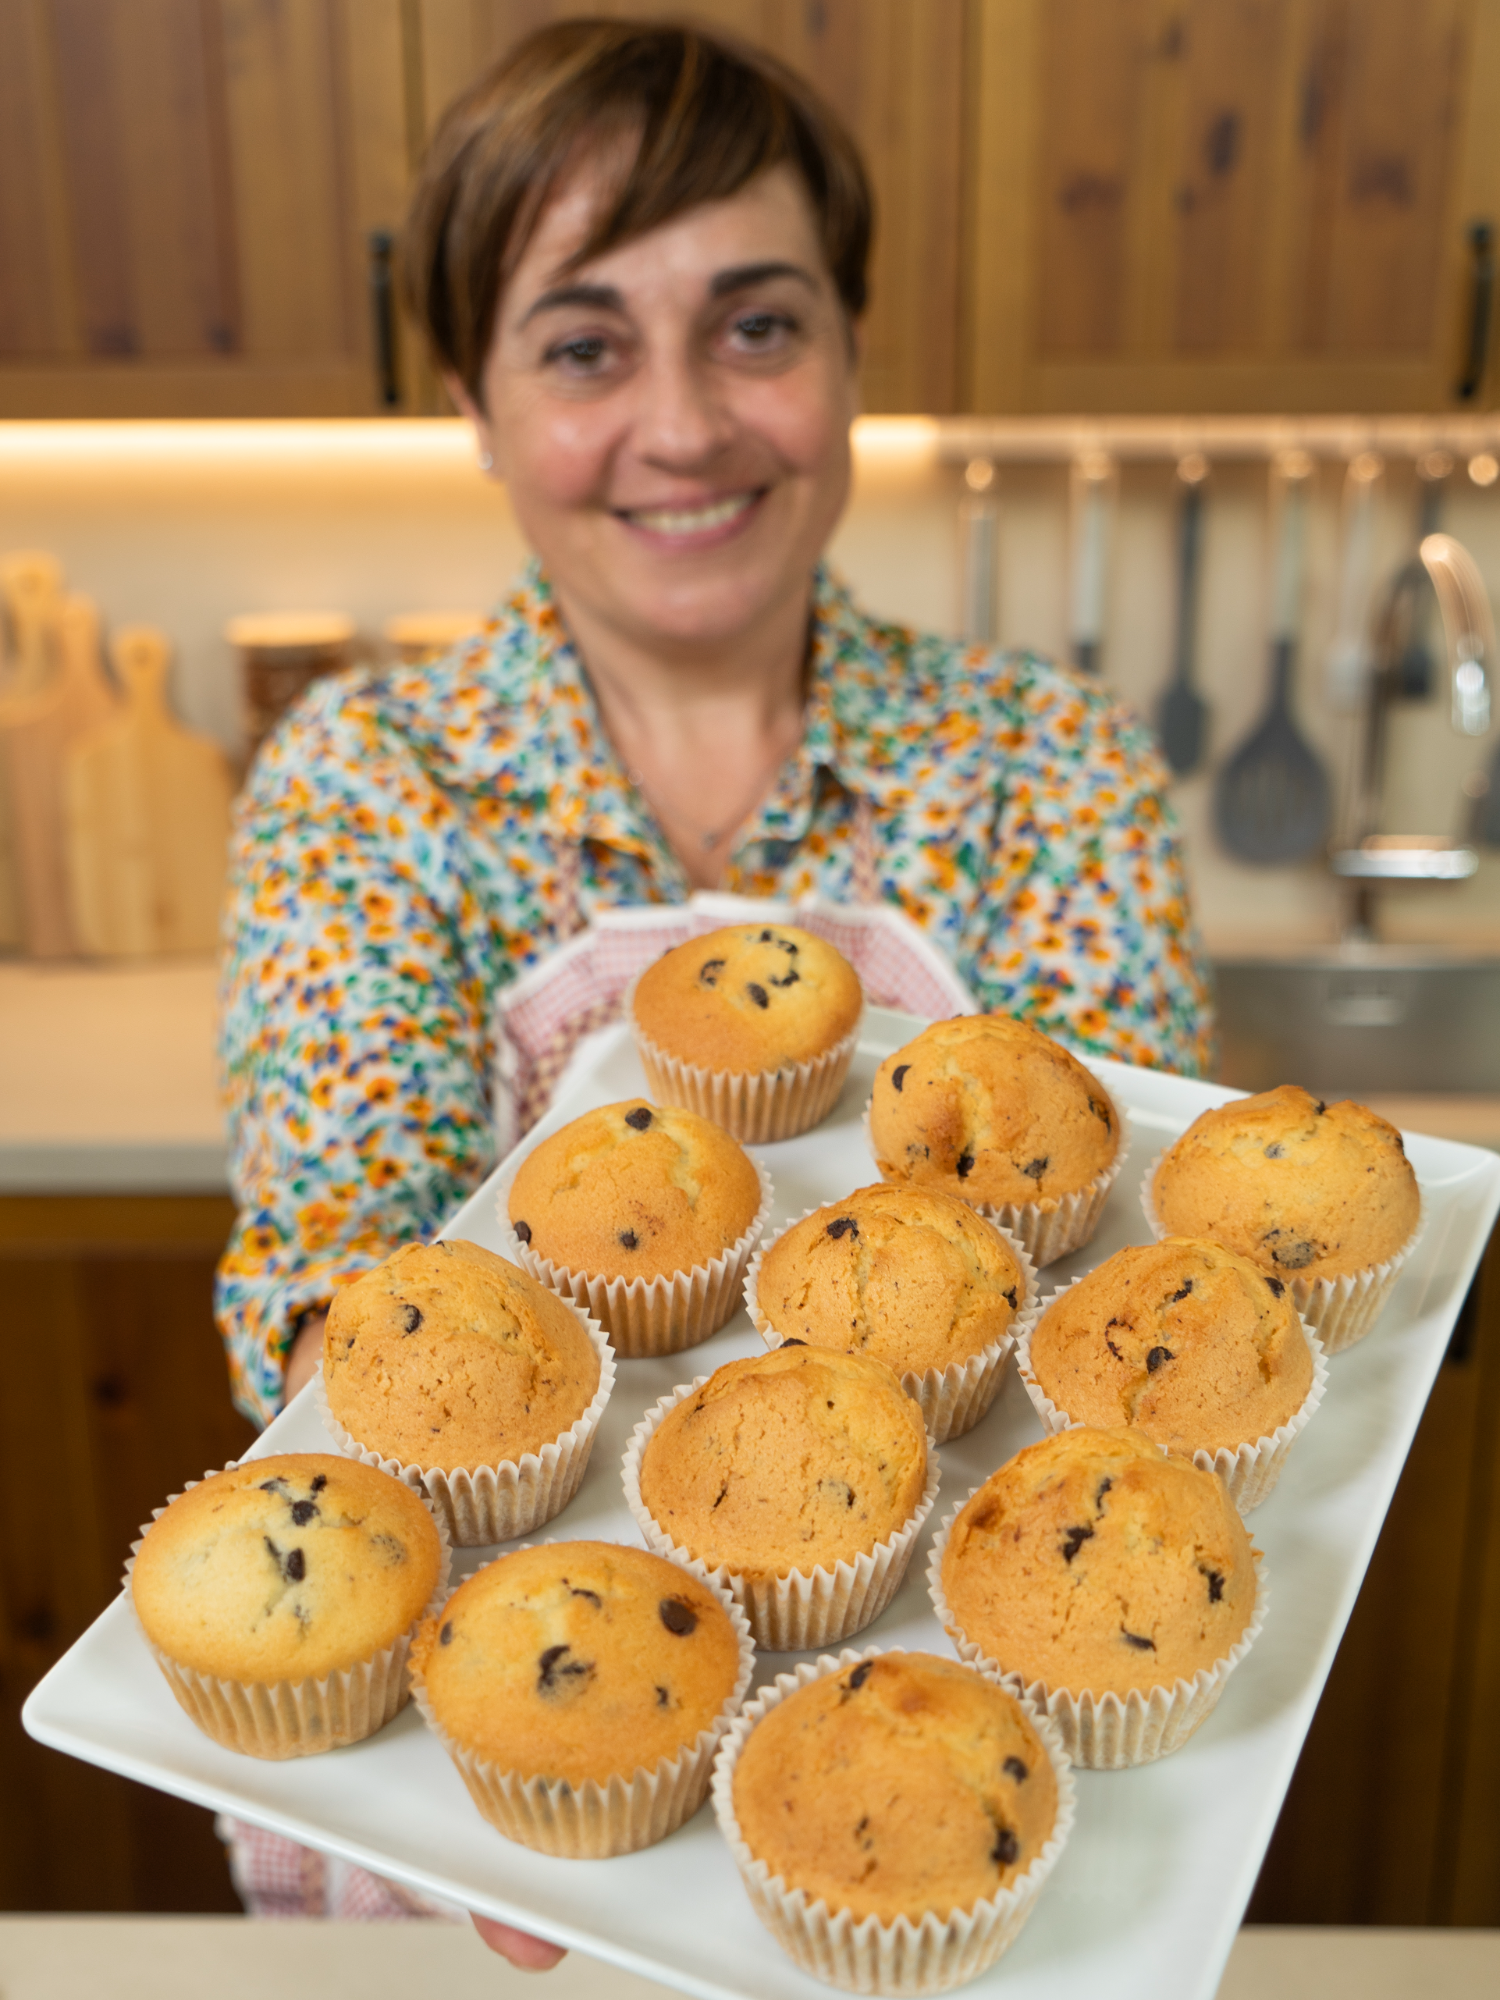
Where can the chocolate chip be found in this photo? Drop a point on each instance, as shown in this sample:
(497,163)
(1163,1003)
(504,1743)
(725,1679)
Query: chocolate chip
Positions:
(758,994)
(556,1679)
(1014,1768)
(303,1511)
(1277,1287)
(662,1697)
(678,1617)
(320,1482)
(898,1075)
(1073,1541)
(1215,1582)
(1320,1107)
(412,1320)
(1034,1169)
(724,1489)
(1275,1151)
(766,937)
(629,1240)
(964,1165)
(843,1225)
(709,970)
(295,1565)
(1292,1253)
(1156,1357)
(1113,1349)
(523,1230)
(1010,1298)
(1134,1639)
(1099,1492)
(1006,1848)
(272,1485)
(445,1632)
(860,1675)
(788,978)
(794,1343)
(1182,1291)
(592,1595)
(1101,1111)
(639,1119)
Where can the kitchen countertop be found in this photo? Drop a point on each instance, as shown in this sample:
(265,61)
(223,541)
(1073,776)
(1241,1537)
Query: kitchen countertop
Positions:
(181,1958)
(107,1082)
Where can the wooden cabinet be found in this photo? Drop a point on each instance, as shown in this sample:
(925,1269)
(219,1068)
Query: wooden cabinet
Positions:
(113,1392)
(1228,205)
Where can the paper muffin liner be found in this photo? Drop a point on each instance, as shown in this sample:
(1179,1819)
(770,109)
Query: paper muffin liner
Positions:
(1046,1231)
(753,1106)
(1340,1310)
(651,1316)
(806,1608)
(1107,1732)
(928,1954)
(1248,1470)
(952,1399)
(494,1503)
(592,1822)
(279,1719)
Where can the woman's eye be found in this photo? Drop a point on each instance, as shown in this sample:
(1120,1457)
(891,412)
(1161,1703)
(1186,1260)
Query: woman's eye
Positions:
(581,355)
(760,330)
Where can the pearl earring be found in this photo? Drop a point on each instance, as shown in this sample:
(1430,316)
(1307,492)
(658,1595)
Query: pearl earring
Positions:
(486,463)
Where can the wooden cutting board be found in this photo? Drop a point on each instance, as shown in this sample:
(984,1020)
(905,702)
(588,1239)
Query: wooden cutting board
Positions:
(69,700)
(147,806)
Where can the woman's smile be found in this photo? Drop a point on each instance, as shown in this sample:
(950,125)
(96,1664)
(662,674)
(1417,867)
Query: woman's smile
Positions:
(687,526)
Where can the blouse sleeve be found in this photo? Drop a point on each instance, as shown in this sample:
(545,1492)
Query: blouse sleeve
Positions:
(1084,926)
(354,1037)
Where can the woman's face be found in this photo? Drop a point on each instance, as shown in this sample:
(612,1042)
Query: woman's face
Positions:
(672,417)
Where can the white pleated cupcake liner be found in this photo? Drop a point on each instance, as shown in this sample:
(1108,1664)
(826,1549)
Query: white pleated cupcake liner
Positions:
(952,1399)
(651,1316)
(481,1504)
(755,1106)
(1249,1471)
(912,1956)
(806,1608)
(593,1821)
(281,1719)
(1107,1732)
(1046,1231)
(1340,1310)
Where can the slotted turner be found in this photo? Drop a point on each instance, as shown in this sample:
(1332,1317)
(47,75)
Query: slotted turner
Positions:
(1181,712)
(1272,802)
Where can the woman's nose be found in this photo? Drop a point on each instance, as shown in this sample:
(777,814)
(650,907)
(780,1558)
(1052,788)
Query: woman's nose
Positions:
(681,419)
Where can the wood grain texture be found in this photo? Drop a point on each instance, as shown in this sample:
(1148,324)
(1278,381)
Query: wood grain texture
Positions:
(147,807)
(115,1395)
(36,303)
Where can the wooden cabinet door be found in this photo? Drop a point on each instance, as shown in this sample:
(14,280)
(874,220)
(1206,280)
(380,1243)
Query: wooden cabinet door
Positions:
(186,190)
(1227,205)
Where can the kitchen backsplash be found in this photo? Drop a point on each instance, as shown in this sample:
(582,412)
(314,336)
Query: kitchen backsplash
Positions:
(183,526)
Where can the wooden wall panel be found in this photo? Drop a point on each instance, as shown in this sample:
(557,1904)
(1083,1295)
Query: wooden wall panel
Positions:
(36,303)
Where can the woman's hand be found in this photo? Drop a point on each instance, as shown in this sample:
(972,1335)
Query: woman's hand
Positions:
(304,1354)
(529,1954)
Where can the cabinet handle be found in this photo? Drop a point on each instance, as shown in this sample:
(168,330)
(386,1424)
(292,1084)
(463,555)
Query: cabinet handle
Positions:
(382,245)
(1482,254)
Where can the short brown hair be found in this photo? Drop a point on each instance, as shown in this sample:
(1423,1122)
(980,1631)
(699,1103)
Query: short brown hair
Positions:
(706,114)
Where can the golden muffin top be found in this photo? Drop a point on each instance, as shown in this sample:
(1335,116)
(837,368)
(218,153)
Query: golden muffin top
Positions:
(749,997)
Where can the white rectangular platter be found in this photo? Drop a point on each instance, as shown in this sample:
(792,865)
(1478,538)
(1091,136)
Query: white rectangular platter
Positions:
(1146,1900)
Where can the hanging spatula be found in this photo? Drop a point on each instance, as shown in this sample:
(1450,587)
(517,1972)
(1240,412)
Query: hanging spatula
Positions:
(1272,802)
(1181,712)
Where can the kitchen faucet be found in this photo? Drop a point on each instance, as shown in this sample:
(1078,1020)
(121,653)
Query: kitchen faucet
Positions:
(1373,857)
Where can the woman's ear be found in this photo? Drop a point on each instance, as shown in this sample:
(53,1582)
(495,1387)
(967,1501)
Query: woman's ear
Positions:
(480,423)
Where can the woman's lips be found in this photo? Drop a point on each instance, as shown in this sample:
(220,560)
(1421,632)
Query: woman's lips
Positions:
(693,527)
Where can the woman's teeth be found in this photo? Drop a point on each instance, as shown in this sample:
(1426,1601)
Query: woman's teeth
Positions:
(691,520)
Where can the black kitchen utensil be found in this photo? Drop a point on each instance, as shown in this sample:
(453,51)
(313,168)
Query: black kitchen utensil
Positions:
(1181,712)
(1272,802)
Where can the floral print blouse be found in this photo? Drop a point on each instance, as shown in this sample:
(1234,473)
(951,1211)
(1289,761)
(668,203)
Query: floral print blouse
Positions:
(408,841)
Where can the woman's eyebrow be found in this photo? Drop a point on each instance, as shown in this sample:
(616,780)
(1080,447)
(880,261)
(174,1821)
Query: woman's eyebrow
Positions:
(739,276)
(601,298)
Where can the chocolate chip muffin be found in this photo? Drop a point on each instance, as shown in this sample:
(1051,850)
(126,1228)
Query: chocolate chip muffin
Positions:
(898,1786)
(753,1026)
(288,1570)
(561,1677)
(1092,1561)
(910,1276)
(448,1357)
(786,1460)
(1190,1342)
(992,1110)
(1306,1190)
(634,1191)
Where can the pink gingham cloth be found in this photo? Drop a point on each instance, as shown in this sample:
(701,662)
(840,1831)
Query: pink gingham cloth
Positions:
(543,1017)
(276,1878)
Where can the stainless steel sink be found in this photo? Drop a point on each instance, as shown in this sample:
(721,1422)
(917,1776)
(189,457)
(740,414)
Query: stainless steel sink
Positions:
(1360,1020)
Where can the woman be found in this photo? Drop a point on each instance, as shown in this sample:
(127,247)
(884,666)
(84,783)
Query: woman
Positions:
(639,255)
